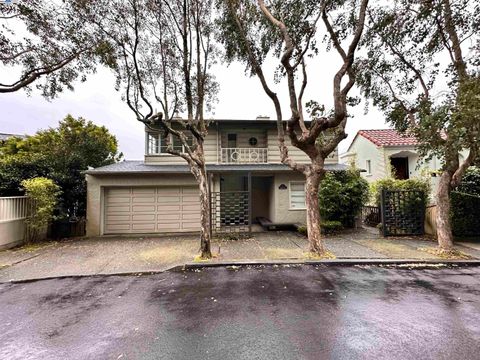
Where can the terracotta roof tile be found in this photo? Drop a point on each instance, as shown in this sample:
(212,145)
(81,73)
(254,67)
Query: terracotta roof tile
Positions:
(388,137)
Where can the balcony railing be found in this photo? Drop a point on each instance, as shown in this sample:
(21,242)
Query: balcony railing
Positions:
(244,156)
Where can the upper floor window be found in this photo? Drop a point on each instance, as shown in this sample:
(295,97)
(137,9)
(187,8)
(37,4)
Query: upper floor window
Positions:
(368,165)
(157,144)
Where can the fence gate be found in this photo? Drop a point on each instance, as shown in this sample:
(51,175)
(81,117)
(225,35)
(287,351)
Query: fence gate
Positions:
(403,212)
(230,212)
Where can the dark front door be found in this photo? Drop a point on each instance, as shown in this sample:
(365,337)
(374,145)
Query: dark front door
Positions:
(400,167)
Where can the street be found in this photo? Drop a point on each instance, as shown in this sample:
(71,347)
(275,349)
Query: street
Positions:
(255,312)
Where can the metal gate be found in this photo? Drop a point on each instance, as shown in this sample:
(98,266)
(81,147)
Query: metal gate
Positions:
(230,212)
(403,212)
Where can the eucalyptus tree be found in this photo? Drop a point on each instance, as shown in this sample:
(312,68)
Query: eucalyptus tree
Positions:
(43,40)
(422,71)
(288,30)
(164,51)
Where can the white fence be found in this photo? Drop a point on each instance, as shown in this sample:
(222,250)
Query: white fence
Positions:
(13,212)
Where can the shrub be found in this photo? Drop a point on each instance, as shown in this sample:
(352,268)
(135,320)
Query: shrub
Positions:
(418,184)
(342,195)
(470,182)
(465,212)
(44,194)
(327,227)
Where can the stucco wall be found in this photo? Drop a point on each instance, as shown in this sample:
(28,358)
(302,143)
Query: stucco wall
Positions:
(362,150)
(282,212)
(97,184)
(12,233)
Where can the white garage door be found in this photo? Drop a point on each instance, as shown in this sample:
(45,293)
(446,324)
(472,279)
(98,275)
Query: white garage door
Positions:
(151,210)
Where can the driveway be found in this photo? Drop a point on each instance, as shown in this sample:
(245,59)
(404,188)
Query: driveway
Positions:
(110,255)
(274,312)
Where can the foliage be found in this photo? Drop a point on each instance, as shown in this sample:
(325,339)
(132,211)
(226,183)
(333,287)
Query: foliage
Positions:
(44,194)
(376,187)
(342,195)
(471,182)
(60,154)
(45,42)
(465,212)
(327,227)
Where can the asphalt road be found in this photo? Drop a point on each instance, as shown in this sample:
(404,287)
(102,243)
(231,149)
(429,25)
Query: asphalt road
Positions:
(302,312)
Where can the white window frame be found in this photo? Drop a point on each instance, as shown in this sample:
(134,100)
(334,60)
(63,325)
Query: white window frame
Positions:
(290,195)
(160,141)
(368,165)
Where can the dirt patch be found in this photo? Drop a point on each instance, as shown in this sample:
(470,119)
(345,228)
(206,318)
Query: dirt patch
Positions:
(394,249)
(448,255)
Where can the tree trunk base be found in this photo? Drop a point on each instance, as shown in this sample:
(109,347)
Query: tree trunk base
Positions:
(324,255)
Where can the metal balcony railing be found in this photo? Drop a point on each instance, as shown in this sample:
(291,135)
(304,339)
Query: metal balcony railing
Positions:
(244,156)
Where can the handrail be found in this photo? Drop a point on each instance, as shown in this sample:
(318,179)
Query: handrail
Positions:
(244,155)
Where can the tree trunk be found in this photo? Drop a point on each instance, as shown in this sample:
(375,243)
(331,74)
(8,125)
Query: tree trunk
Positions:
(204,215)
(444,227)
(313,213)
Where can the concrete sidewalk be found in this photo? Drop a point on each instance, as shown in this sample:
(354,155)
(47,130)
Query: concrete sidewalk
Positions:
(109,255)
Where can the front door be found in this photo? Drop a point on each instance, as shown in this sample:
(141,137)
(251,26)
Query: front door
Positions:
(400,167)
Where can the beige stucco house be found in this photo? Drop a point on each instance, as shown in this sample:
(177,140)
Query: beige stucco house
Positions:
(159,194)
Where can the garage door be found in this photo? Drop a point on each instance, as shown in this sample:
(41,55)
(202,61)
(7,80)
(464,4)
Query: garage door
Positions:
(151,210)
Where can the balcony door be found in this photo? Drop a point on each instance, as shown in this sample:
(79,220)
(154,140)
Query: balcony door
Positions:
(232,141)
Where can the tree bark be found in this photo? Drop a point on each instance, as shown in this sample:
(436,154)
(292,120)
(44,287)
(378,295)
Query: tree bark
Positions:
(312,184)
(444,227)
(205,248)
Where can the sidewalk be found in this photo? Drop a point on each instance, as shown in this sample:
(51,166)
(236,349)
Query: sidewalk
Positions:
(107,255)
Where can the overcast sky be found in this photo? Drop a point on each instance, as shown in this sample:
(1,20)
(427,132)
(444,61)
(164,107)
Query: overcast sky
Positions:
(240,97)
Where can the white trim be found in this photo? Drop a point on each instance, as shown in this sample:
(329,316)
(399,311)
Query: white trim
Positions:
(290,195)
(368,166)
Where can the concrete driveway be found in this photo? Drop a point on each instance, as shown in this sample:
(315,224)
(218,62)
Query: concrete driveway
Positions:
(110,255)
(283,312)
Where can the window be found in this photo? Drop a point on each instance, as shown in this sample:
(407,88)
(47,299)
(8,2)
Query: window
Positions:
(253,141)
(231,141)
(368,165)
(157,144)
(297,195)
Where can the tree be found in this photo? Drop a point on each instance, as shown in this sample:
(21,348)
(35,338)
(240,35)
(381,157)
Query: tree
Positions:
(59,154)
(288,30)
(164,51)
(414,48)
(43,39)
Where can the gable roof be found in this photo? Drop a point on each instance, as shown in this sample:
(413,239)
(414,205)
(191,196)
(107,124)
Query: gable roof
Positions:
(386,137)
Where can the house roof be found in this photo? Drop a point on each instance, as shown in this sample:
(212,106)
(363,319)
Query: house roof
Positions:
(139,167)
(386,137)
(5,136)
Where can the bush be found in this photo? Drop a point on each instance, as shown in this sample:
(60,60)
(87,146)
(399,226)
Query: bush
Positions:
(465,212)
(44,194)
(327,227)
(342,195)
(470,182)
(394,184)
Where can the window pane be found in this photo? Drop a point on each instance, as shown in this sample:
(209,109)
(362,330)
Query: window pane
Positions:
(153,143)
(297,195)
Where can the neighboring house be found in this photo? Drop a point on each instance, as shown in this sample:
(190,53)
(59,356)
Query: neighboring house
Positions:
(385,152)
(159,194)
(4,137)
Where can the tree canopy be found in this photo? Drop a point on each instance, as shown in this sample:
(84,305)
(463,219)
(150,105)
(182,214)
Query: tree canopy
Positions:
(44,43)
(60,154)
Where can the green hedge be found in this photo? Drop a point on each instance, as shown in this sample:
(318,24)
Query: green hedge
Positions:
(465,213)
(418,184)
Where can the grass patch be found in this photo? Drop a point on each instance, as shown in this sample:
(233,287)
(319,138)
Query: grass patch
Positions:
(453,254)
(327,255)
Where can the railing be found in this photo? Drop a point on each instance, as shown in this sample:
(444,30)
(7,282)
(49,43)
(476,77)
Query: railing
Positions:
(244,155)
(371,215)
(14,208)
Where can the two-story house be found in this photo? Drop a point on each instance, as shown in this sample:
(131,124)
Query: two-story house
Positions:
(159,194)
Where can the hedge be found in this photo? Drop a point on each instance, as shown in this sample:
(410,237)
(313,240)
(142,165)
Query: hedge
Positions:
(465,214)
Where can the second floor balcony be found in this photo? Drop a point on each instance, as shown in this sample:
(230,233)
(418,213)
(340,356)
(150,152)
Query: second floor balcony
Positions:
(244,155)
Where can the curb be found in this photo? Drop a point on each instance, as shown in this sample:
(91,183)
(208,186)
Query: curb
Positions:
(199,265)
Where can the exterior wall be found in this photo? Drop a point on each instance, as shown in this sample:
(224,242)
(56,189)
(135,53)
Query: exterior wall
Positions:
(97,184)
(281,200)
(362,150)
(217,138)
(296,154)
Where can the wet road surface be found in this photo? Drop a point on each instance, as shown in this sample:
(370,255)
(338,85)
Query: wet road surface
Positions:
(296,312)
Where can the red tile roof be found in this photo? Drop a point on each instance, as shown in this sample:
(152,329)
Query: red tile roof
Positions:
(388,137)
